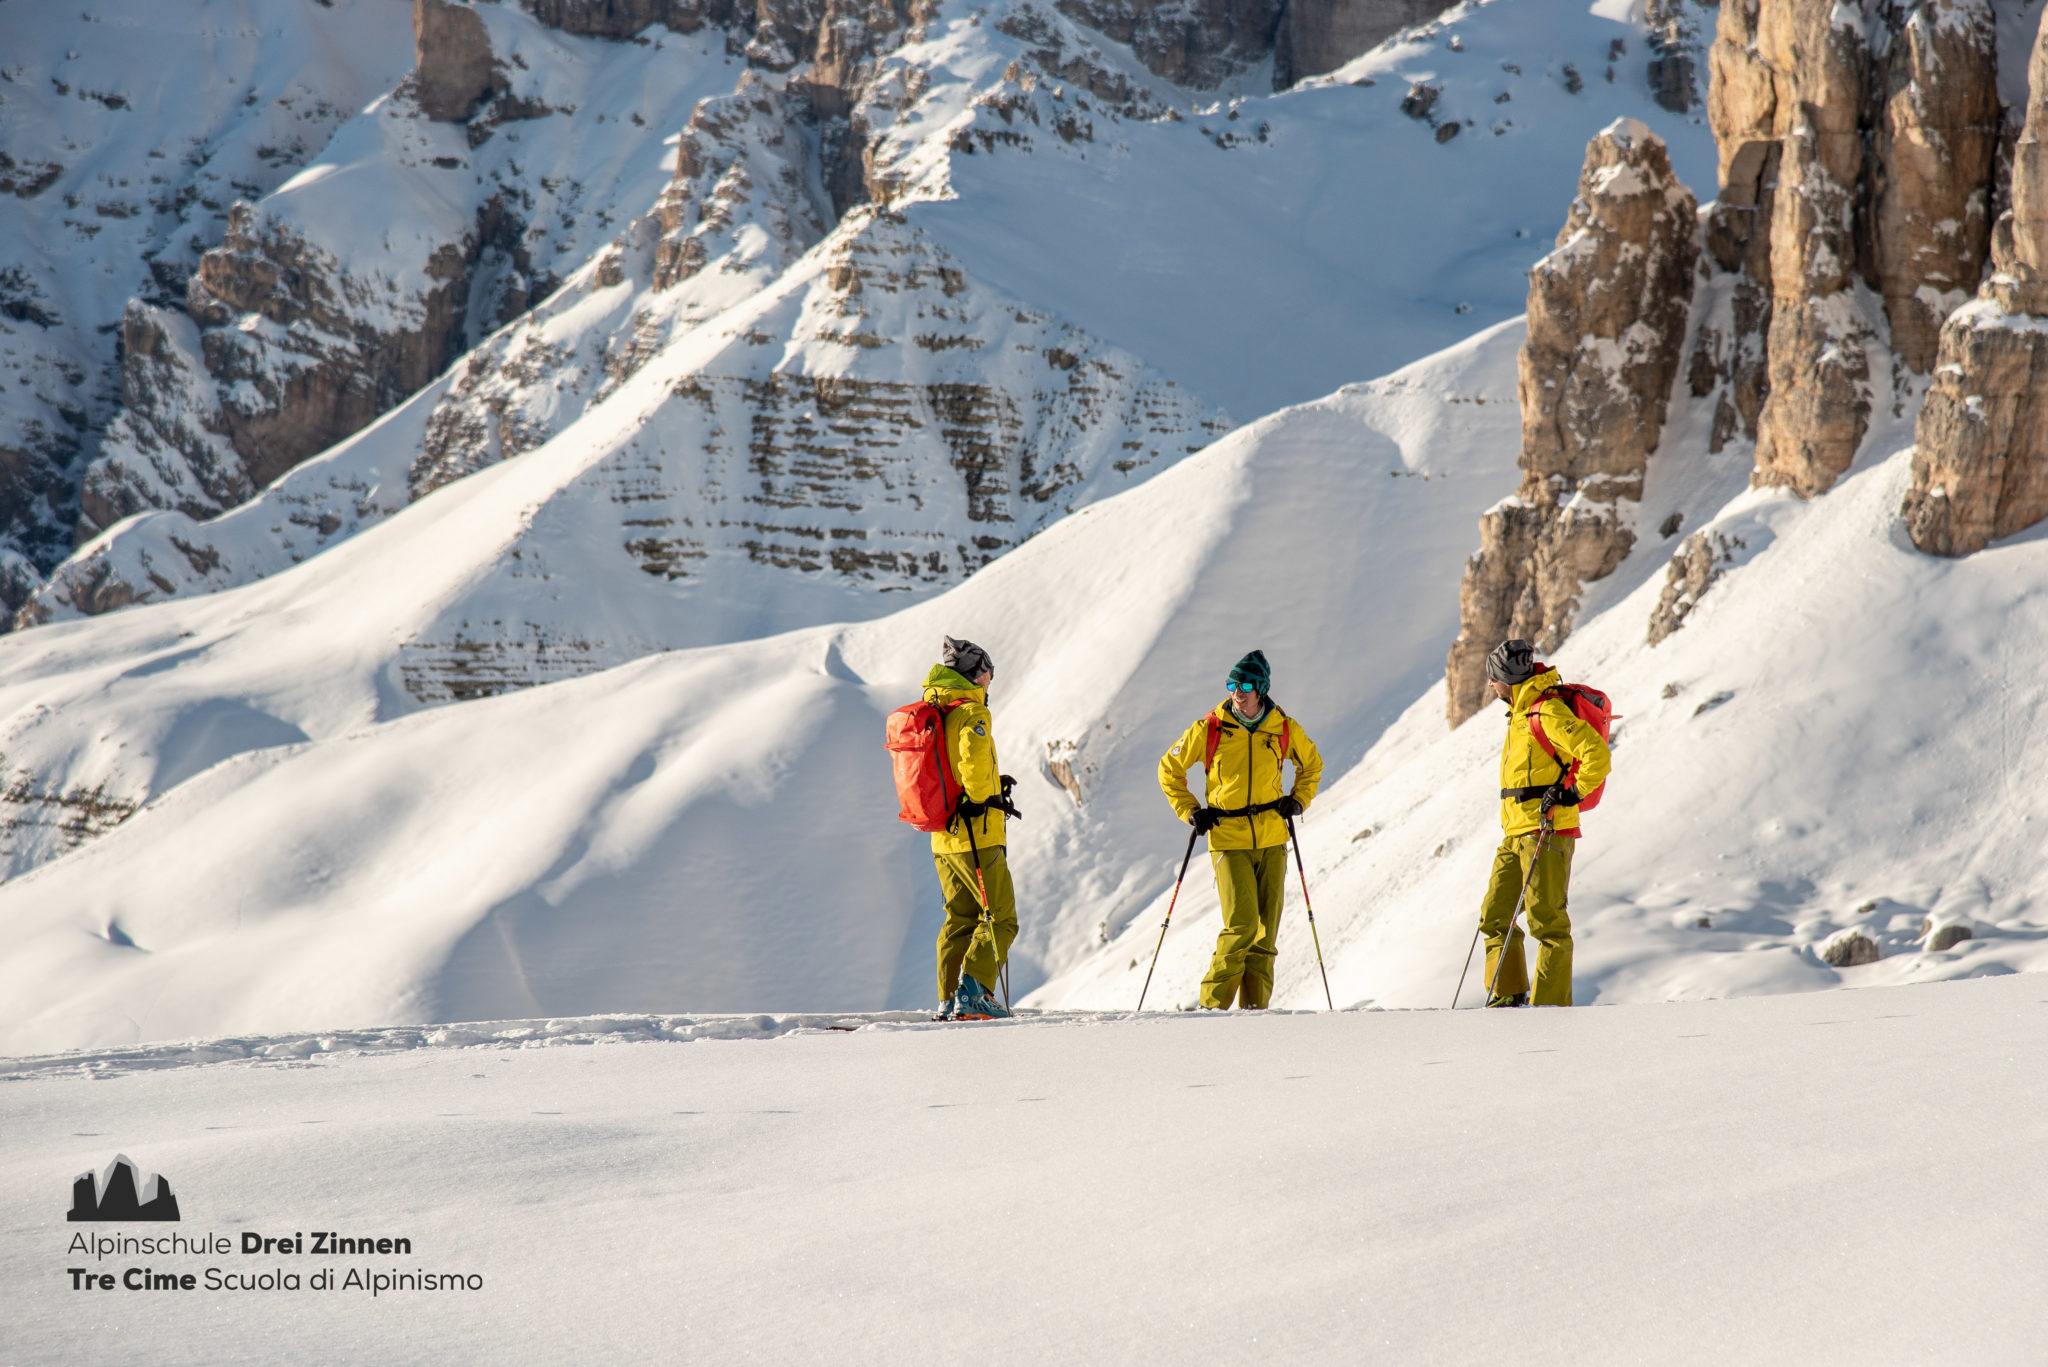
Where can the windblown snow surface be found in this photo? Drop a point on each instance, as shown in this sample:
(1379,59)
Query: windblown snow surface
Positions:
(1847,1177)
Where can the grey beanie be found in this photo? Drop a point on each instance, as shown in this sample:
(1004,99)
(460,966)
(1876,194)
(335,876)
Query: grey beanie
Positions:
(1511,662)
(965,657)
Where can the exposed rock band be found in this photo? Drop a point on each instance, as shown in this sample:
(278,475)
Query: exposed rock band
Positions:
(1551,760)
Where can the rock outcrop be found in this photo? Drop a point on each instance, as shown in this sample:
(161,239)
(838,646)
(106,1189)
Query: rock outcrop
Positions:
(881,423)
(457,71)
(1857,149)
(278,360)
(856,438)
(1316,36)
(1607,320)
(1193,43)
(112,192)
(1699,563)
(741,209)
(1674,45)
(1851,948)
(1980,468)
(295,349)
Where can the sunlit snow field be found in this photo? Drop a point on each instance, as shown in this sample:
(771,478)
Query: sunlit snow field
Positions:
(1847,1177)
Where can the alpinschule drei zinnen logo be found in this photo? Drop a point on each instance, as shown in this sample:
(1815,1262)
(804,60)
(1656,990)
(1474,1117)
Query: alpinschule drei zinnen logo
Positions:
(119,1193)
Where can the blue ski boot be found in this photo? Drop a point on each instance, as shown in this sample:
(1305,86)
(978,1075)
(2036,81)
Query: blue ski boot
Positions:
(975,1002)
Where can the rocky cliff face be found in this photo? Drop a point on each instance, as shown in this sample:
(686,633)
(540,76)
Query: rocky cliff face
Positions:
(297,348)
(1607,324)
(1316,36)
(1857,148)
(273,360)
(1980,469)
(129,131)
(879,422)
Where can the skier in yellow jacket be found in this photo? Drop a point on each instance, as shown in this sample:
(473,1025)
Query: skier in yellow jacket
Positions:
(972,948)
(1243,745)
(1535,788)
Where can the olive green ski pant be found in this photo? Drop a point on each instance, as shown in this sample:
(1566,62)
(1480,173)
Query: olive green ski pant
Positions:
(968,941)
(1251,885)
(1545,912)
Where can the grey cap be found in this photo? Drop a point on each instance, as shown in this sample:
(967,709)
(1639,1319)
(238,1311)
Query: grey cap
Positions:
(1511,662)
(965,657)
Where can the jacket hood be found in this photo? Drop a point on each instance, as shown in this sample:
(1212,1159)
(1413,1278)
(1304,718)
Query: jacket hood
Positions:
(1527,690)
(951,680)
(1275,714)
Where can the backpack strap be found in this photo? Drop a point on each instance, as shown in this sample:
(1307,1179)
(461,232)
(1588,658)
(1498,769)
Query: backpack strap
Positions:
(948,785)
(1215,739)
(1565,769)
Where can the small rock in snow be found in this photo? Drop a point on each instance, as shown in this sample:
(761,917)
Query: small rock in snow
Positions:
(1944,936)
(1850,949)
(1723,696)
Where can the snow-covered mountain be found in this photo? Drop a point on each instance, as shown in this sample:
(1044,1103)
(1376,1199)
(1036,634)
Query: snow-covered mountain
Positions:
(128,132)
(1171,240)
(552,692)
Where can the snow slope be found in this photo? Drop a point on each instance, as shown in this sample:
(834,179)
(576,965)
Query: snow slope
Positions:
(1269,250)
(1837,738)
(708,829)
(1775,1179)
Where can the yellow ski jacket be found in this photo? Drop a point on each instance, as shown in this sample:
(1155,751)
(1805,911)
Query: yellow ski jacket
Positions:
(1524,764)
(1246,773)
(971,750)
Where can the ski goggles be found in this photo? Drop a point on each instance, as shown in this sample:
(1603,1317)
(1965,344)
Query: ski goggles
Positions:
(1242,687)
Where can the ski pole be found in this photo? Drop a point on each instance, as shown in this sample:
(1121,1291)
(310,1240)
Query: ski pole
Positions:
(1542,839)
(1466,969)
(1294,841)
(1193,835)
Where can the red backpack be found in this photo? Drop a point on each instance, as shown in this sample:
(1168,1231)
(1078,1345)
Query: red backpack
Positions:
(925,786)
(1590,706)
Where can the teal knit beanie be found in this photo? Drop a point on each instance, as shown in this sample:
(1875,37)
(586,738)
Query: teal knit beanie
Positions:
(1253,670)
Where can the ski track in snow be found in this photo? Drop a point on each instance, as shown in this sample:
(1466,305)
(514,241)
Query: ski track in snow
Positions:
(489,1035)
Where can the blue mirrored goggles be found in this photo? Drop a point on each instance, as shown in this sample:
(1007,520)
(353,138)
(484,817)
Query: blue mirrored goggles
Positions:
(1242,687)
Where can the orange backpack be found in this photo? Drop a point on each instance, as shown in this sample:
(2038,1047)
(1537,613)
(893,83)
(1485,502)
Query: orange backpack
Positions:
(925,787)
(1590,706)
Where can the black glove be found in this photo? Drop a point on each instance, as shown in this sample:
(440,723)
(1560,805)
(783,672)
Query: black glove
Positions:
(1287,808)
(1205,820)
(1003,803)
(1558,795)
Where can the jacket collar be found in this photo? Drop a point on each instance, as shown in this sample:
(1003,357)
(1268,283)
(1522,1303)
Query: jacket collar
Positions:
(945,684)
(1527,691)
(1269,722)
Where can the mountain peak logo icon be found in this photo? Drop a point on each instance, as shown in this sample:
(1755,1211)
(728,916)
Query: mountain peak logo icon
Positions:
(121,1193)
